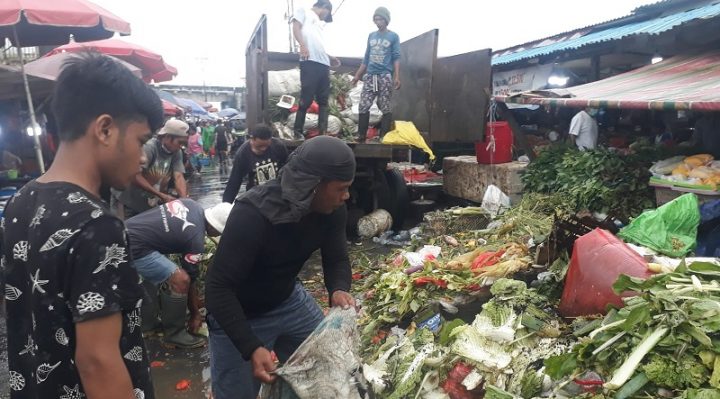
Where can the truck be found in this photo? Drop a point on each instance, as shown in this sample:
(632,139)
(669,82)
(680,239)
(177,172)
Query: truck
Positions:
(446,98)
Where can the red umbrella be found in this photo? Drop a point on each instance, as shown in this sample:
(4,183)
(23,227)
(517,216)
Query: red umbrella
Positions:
(170,109)
(51,22)
(152,64)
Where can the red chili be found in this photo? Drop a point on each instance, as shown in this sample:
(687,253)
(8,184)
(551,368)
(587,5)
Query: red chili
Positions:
(357,276)
(487,259)
(588,382)
(422,281)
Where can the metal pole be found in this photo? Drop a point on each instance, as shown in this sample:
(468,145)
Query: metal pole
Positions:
(31,107)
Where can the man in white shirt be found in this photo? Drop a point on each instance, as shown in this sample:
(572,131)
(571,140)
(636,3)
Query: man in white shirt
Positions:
(584,129)
(314,63)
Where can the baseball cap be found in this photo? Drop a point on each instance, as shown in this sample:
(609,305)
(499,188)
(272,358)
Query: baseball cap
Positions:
(217,216)
(174,127)
(327,5)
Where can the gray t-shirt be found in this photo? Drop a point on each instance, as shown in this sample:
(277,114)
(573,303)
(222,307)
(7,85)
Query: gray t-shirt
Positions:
(176,227)
(159,169)
(312,31)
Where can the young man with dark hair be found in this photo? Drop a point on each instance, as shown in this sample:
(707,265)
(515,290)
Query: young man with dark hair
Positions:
(164,162)
(314,63)
(255,302)
(258,160)
(382,64)
(73,298)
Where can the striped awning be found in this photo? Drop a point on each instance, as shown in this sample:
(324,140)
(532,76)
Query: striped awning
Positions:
(683,82)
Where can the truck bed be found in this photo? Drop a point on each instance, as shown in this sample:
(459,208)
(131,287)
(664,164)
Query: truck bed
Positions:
(372,151)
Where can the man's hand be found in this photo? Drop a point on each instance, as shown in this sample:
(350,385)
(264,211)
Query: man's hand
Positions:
(304,53)
(354,82)
(263,365)
(342,299)
(397,83)
(164,198)
(335,62)
(195,323)
(179,281)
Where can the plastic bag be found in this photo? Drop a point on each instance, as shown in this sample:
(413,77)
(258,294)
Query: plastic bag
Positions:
(670,229)
(495,201)
(598,259)
(325,366)
(406,133)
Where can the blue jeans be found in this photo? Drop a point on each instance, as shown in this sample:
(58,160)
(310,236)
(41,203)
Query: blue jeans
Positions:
(155,267)
(282,329)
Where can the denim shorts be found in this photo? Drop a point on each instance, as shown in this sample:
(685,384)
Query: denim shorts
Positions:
(155,267)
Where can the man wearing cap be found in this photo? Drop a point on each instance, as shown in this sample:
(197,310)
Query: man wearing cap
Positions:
(382,64)
(176,227)
(314,63)
(164,161)
(254,300)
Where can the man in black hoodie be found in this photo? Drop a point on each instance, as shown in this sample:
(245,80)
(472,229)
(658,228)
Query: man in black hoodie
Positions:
(254,300)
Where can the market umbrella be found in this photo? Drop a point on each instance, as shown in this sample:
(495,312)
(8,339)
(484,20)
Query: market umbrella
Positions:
(167,97)
(194,107)
(228,112)
(43,22)
(152,64)
(50,67)
(170,109)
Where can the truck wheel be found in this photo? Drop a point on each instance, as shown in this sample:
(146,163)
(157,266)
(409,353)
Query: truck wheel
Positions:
(392,195)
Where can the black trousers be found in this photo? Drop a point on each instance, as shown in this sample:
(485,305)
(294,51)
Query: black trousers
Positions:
(314,85)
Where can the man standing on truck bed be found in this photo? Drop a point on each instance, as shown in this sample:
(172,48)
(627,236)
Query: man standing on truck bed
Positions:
(382,64)
(314,63)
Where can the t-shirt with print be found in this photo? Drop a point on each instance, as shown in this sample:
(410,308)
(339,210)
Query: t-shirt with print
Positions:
(176,227)
(65,261)
(258,169)
(159,169)
(312,31)
(383,49)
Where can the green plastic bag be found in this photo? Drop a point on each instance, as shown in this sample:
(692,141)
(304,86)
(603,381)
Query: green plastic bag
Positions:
(670,229)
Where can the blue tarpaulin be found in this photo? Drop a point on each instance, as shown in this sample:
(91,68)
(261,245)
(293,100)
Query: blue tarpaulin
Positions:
(195,108)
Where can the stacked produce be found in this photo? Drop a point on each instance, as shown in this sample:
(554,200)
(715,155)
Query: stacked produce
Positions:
(597,180)
(698,171)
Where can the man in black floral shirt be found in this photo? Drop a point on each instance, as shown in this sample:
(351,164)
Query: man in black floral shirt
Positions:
(73,299)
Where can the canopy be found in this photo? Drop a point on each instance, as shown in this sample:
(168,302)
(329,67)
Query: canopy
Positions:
(194,107)
(11,84)
(228,112)
(170,109)
(50,67)
(151,63)
(48,22)
(683,82)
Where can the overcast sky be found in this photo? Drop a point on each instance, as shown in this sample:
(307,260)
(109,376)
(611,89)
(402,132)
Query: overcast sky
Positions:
(206,39)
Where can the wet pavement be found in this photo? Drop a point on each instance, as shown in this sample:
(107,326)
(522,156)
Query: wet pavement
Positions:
(171,367)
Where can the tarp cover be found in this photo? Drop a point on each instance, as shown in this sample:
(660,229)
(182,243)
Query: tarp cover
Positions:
(689,81)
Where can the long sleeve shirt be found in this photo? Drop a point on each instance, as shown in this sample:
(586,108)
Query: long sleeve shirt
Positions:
(258,169)
(257,263)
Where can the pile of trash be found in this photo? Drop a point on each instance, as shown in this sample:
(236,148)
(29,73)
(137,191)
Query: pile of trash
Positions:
(471,314)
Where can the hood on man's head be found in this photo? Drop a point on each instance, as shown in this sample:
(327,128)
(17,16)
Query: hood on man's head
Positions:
(325,157)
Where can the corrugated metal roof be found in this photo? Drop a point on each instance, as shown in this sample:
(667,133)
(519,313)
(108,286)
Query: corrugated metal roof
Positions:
(652,27)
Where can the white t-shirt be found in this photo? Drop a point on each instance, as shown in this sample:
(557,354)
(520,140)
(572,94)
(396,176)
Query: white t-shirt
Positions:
(312,31)
(585,129)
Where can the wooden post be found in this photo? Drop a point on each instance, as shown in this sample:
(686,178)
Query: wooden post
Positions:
(518,132)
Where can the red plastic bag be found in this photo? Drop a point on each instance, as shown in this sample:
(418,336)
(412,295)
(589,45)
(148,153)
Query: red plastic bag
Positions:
(314,108)
(598,259)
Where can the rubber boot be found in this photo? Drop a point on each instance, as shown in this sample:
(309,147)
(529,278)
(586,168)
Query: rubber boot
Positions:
(323,114)
(386,124)
(150,308)
(299,127)
(173,310)
(363,123)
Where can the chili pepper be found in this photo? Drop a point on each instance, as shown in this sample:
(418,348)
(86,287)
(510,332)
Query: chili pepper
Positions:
(487,259)
(182,385)
(357,276)
(422,281)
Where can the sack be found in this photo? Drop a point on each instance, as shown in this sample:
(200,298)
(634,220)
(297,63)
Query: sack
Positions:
(598,259)
(325,365)
(284,82)
(670,229)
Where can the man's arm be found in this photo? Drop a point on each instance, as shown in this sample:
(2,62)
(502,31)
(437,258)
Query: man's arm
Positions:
(359,74)
(99,361)
(336,262)
(396,61)
(194,308)
(180,184)
(297,33)
(397,83)
(238,173)
(142,182)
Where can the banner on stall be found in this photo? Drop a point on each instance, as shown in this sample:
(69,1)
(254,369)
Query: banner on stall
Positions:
(519,80)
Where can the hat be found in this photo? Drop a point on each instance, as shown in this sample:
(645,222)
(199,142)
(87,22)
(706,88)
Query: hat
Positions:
(174,127)
(382,12)
(327,5)
(217,215)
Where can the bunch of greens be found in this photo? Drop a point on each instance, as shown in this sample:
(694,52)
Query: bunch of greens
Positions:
(668,336)
(597,180)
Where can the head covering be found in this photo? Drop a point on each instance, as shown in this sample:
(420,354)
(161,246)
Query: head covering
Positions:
(382,12)
(327,5)
(174,127)
(288,198)
(217,216)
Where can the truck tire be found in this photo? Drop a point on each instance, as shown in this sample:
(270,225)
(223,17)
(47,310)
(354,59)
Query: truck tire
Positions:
(392,195)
